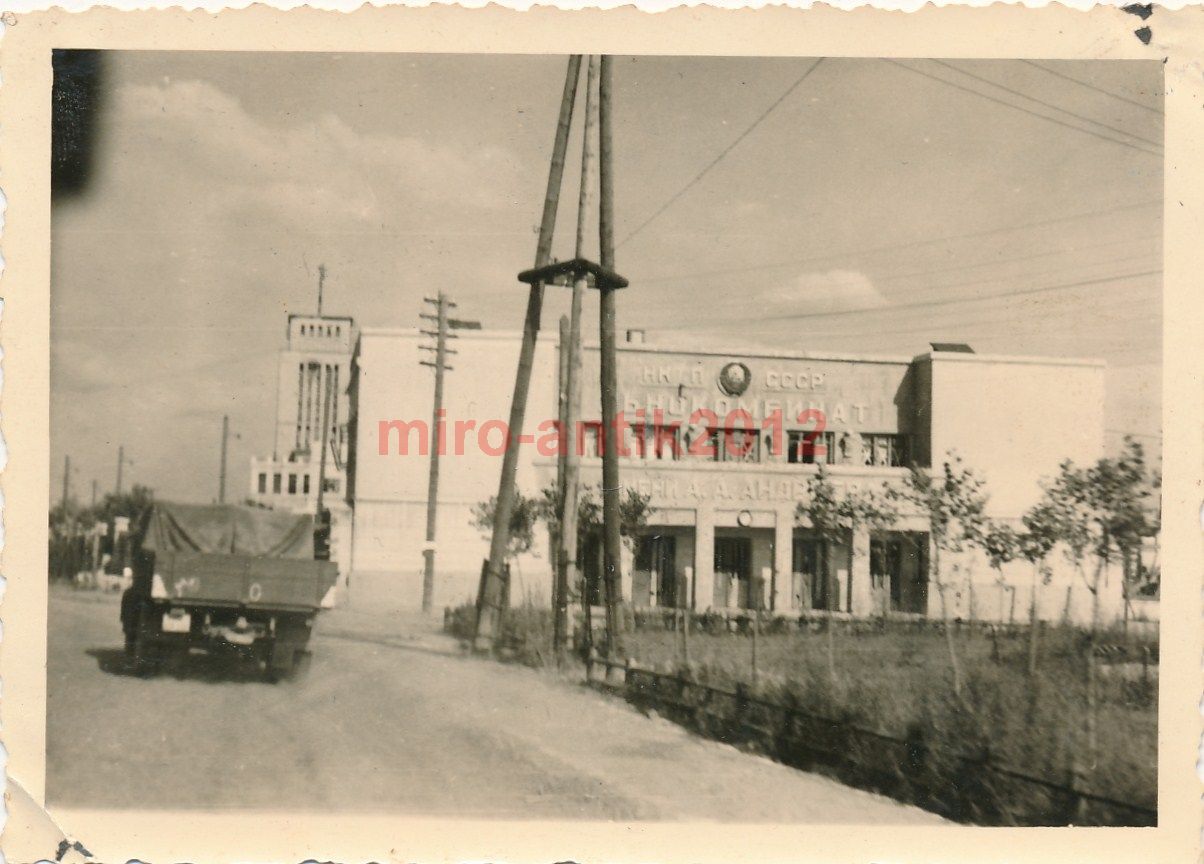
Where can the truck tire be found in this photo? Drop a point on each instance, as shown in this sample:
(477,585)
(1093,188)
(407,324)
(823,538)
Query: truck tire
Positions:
(280,662)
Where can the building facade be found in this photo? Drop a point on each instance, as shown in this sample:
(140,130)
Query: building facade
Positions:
(723,442)
(313,370)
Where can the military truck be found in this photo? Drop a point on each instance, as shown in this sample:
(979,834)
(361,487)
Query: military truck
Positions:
(225,577)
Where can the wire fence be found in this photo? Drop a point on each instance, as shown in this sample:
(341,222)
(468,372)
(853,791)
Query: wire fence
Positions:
(972,788)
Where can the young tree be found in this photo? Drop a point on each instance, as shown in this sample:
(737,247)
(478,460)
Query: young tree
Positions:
(634,513)
(1001,544)
(1042,528)
(836,515)
(954,502)
(522,524)
(1103,513)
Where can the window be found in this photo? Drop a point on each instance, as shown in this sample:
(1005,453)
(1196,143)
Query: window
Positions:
(305,484)
(884,451)
(589,439)
(263,483)
(727,445)
(331,484)
(655,442)
(809,448)
(741,445)
(276,484)
(292,484)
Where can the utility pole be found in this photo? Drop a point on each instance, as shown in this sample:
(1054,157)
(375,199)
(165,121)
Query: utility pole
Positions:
(120,463)
(221,476)
(612,540)
(66,482)
(560,580)
(494,574)
(567,553)
(436,437)
(94,494)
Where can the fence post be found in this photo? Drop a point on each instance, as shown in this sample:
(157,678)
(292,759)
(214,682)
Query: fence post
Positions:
(1076,805)
(736,730)
(915,769)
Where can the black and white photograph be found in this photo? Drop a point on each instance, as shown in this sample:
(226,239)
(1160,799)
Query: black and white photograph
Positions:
(606,437)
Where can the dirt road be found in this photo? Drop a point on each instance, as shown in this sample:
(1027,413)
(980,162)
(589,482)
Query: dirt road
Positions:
(392,719)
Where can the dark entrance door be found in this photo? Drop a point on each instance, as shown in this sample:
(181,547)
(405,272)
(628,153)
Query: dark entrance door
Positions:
(898,572)
(589,565)
(814,584)
(654,578)
(886,573)
(733,568)
(810,588)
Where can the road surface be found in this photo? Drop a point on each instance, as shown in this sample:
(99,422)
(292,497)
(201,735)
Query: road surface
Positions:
(392,719)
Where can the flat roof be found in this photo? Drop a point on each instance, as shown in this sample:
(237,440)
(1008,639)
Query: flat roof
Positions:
(722,348)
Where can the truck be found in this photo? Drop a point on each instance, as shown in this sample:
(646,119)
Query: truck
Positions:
(226,577)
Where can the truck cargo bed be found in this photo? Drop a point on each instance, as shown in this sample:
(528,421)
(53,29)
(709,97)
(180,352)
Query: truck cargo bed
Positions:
(209,579)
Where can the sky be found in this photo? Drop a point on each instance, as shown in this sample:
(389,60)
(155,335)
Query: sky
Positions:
(857,205)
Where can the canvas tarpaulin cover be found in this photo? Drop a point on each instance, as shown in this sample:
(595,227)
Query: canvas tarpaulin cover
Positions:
(228,529)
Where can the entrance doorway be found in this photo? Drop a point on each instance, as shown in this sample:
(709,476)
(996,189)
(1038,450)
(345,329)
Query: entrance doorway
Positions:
(812,583)
(589,565)
(733,571)
(899,571)
(654,579)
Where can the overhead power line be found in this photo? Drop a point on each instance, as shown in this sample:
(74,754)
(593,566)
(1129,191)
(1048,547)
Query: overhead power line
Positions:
(894,247)
(723,153)
(1045,104)
(1023,292)
(1131,260)
(1022,109)
(1090,86)
(1013,259)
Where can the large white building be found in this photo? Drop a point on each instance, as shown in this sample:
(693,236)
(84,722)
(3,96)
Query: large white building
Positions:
(313,370)
(723,531)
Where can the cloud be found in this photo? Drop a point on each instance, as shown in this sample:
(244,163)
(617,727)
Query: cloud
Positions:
(318,173)
(827,291)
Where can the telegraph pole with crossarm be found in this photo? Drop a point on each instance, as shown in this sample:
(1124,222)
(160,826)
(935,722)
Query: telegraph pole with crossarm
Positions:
(441,334)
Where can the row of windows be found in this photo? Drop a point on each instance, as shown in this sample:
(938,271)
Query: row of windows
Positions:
(298,484)
(321,329)
(668,442)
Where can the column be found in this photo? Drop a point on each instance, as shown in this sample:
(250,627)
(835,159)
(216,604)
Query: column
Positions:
(783,559)
(861,593)
(704,558)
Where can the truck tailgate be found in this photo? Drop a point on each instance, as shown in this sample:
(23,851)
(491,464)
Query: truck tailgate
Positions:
(236,580)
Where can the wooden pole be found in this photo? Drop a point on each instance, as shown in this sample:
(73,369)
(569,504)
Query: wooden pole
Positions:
(491,591)
(572,463)
(432,487)
(120,463)
(611,486)
(221,474)
(560,600)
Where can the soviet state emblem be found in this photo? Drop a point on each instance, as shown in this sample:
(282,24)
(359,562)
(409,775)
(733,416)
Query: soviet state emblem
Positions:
(734,379)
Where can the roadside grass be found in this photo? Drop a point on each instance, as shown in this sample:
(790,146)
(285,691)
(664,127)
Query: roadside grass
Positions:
(897,681)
